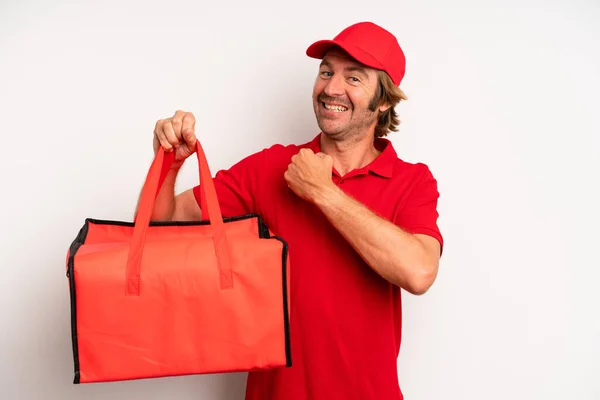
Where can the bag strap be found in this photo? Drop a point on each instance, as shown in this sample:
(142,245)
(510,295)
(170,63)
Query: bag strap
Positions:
(154,180)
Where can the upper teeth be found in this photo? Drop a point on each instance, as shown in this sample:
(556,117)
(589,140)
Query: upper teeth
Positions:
(335,108)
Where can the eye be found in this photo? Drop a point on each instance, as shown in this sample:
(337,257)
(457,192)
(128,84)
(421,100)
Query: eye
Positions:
(354,79)
(326,74)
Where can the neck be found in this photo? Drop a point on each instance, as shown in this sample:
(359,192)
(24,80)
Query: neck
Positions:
(349,154)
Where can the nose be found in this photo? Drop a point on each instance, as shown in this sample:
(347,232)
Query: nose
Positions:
(335,86)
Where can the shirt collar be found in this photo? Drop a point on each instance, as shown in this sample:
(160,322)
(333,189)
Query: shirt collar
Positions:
(383,165)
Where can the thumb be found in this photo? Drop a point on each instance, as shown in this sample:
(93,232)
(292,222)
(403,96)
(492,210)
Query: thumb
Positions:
(190,138)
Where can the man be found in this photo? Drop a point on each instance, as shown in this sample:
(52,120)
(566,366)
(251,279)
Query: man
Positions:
(360,223)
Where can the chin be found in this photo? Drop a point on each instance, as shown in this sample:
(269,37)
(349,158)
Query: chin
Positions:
(334,134)
(328,128)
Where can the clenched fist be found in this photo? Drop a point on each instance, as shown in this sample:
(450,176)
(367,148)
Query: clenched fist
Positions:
(309,174)
(176,133)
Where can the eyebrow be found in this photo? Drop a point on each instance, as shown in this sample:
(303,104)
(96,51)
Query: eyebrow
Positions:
(353,68)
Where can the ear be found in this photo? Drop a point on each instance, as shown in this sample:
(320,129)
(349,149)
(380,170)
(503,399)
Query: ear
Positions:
(384,107)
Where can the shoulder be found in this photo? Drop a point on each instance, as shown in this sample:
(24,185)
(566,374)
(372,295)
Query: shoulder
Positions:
(280,153)
(403,170)
(417,181)
(410,178)
(266,156)
(413,170)
(266,159)
(285,150)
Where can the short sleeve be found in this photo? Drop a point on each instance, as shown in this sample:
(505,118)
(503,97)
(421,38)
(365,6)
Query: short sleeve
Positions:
(419,213)
(236,187)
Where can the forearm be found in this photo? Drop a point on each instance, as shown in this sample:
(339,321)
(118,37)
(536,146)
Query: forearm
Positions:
(396,255)
(164,206)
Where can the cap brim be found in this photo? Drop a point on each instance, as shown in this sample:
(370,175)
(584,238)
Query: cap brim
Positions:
(319,49)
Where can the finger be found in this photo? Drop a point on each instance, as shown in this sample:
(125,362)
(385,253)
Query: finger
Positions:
(189,139)
(178,114)
(292,170)
(160,135)
(321,155)
(287,177)
(177,122)
(188,127)
(169,133)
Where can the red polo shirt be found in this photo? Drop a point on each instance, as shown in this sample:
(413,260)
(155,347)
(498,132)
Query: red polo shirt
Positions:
(345,319)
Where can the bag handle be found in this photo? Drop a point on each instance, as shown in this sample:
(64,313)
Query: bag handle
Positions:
(154,180)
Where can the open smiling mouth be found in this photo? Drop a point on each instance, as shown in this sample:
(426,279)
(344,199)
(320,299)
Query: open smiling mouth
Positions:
(334,108)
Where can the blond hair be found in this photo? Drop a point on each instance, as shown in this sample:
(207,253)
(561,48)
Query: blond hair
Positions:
(387,93)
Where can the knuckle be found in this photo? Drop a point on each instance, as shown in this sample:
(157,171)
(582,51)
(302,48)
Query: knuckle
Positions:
(189,135)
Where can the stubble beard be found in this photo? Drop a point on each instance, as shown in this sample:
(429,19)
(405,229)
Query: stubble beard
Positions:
(357,127)
(360,120)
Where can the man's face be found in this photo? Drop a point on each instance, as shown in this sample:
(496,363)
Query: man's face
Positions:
(341,96)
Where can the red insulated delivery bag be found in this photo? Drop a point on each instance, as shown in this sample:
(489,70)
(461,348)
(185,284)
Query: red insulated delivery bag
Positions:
(154,299)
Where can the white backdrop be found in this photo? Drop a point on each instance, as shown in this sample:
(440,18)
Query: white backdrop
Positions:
(503,106)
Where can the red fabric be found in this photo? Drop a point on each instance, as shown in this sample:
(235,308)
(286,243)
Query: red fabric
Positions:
(152,301)
(369,44)
(345,319)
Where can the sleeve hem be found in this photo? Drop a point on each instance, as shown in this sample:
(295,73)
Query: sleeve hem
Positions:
(429,232)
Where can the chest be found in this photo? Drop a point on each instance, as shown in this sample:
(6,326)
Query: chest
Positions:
(324,265)
(304,226)
(285,209)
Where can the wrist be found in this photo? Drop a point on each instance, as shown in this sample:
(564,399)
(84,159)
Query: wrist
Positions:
(176,166)
(327,196)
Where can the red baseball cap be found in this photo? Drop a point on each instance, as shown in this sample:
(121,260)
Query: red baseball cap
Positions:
(368,44)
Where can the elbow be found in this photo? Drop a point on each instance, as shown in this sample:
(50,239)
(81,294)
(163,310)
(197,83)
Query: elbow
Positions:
(422,279)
